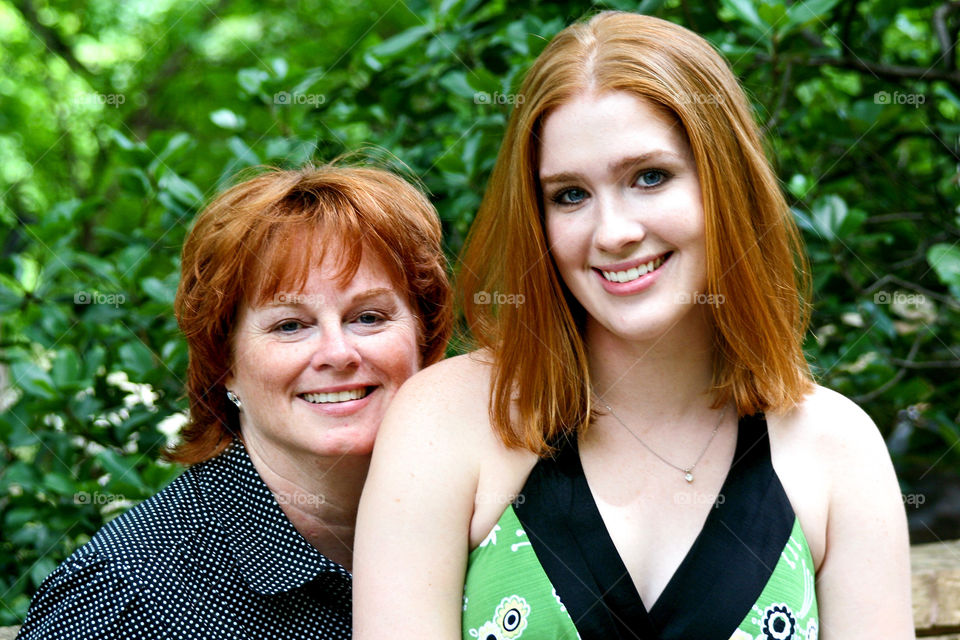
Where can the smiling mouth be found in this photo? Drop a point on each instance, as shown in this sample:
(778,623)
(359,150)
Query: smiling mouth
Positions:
(336,396)
(634,273)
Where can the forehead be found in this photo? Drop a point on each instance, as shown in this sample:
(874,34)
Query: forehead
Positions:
(328,274)
(592,130)
(310,261)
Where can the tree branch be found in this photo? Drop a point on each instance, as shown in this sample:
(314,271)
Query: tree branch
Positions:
(929,364)
(879,69)
(950,302)
(781,98)
(867,397)
(947,43)
(845,30)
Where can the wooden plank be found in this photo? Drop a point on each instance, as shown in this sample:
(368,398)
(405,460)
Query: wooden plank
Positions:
(936,588)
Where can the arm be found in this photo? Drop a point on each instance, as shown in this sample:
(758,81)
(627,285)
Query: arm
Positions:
(863,585)
(412,537)
(92,597)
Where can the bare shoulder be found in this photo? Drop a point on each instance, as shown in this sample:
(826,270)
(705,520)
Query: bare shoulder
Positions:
(836,470)
(460,377)
(447,401)
(831,459)
(834,439)
(830,423)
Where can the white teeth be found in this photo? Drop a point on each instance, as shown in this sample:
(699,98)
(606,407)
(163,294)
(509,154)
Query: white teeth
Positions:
(633,274)
(335,396)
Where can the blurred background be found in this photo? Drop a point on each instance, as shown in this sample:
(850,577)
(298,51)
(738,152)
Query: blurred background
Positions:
(119,119)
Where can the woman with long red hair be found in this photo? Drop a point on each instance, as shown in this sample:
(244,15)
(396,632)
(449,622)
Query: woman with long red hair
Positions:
(638,448)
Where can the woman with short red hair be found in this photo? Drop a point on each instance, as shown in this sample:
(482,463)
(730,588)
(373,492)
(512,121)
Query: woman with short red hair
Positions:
(638,449)
(307,297)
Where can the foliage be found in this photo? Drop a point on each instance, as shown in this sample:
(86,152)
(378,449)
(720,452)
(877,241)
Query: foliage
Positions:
(118,120)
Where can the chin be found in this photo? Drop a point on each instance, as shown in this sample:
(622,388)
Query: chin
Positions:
(345,444)
(640,330)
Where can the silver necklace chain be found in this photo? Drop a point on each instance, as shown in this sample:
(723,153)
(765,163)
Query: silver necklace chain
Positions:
(686,471)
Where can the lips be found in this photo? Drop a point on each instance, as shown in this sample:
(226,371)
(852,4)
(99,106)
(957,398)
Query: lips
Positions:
(336,397)
(630,271)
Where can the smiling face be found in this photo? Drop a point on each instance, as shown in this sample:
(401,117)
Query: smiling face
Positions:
(623,215)
(315,369)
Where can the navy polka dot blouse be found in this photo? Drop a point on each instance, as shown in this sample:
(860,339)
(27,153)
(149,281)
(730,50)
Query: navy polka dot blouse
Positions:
(211,556)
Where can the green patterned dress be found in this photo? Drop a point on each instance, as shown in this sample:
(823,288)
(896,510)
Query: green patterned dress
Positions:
(548,569)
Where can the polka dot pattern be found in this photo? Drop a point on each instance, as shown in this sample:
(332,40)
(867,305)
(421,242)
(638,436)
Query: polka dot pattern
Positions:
(211,556)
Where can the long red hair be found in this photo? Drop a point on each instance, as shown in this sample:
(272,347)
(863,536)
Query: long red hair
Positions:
(755,260)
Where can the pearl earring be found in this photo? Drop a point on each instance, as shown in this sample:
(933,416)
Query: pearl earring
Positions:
(232,397)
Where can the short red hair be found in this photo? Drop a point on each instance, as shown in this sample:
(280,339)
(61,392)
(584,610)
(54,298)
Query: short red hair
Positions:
(262,236)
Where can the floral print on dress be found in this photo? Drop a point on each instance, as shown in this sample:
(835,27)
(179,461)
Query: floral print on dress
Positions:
(787,608)
(778,622)
(491,537)
(509,621)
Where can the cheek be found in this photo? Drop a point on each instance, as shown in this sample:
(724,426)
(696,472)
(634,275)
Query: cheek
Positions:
(396,356)
(267,370)
(565,241)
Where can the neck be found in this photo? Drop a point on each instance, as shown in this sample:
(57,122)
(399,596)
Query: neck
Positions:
(318,494)
(665,379)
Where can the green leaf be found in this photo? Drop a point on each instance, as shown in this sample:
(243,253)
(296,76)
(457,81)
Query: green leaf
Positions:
(830,217)
(93,358)
(158,290)
(20,474)
(123,141)
(41,569)
(280,67)
(945,261)
(33,380)
(482,80)
(176,143)
(226,119)
(401,42)
(134,180)
(122,470)
(772,13)
(456,83)
(746,12)
(183,190)
(244,154)
(66,369)
(800,13)
(28,272)
(135,357)
(59,484)
(250,80)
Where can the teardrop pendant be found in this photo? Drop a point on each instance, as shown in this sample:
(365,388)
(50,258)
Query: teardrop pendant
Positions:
(688,477)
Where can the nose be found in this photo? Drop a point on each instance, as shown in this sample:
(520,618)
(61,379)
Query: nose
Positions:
(618,225)
(335,349)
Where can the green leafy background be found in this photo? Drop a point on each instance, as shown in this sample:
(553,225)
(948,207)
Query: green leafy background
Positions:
(118,119)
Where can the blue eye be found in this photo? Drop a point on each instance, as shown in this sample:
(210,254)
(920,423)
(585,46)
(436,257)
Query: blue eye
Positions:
(369,318)
(651,178)
(570,196)
(289,326)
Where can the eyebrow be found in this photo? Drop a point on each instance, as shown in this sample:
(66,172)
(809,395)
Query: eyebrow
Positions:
(359,298)
(615,167)
(373,293)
